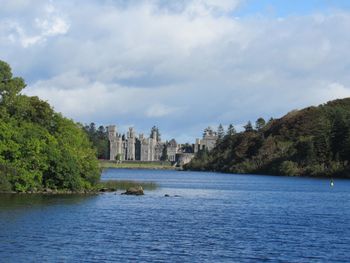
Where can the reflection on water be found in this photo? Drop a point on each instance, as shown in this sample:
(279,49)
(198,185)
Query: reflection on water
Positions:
(31,201)
(217,218)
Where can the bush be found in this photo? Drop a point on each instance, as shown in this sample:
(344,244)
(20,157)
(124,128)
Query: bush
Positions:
(289,168)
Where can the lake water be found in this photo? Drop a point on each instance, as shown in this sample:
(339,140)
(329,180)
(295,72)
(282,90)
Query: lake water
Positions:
(217,218)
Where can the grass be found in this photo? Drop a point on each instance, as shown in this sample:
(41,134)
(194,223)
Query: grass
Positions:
(136,165)
(114,185)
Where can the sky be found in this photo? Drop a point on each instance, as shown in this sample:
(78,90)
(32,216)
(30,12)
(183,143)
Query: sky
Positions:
(180,65)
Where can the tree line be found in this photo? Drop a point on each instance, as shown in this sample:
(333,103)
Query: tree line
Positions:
(314,141)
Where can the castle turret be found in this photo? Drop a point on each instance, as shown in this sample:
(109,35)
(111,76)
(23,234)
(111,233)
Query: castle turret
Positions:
(154,135)
(131,140)
(112,141)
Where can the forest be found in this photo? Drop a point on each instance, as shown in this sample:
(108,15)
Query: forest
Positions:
(39,148)
(314,141)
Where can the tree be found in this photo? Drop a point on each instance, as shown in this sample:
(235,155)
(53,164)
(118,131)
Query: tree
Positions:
(187,148)
(221,132)
(259,124)
(9,86)
(118,157)
(164,156)
(99,139)
(156,130)
(339,133)
(313,141)
(231,130)
(39,148)
(248,127)
(208,131)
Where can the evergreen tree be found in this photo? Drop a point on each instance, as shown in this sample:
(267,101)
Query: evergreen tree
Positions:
(164,156)
(221,132)
(248,127)
(99,139)
(155,129)
(231,130)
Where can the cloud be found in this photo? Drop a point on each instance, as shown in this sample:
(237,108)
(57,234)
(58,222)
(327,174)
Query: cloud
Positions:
(334,91)
(182,65)
(159,110)
(35,28)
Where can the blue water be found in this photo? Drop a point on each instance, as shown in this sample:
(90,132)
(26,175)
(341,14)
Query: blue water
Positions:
(217,218)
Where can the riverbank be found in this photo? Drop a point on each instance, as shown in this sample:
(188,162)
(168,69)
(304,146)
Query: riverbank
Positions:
(137,165)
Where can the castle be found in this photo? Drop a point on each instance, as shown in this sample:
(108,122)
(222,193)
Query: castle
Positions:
(208,142)
(140,148)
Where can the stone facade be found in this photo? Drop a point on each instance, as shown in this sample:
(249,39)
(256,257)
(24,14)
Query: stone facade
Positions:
(208,142)
(139,148)
(130,145)
(172,150)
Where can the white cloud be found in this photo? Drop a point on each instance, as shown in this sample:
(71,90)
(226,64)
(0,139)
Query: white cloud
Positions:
(159,110)
(334,91)
(182,65)
(35,28)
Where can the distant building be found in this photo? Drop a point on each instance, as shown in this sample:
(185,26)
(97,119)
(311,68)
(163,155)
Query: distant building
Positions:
(207,142)
(140,148)
(171,150)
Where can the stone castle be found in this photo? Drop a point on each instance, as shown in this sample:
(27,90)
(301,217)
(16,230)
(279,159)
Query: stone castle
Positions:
(139,148)
(208,142)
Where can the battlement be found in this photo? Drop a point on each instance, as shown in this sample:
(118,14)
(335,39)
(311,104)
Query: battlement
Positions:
(135,147)
(132,147)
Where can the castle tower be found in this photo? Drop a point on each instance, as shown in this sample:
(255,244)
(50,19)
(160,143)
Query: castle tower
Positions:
(144,149)
(112,141)
(197,145)
(154,136)
(131,140)
(120,148)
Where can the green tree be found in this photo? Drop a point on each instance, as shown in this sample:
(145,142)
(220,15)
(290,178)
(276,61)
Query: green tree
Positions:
(221,132)
(164,156)
(259,124)
(38,147)
(248,127)
(231,130)
(289,168)
(99,140)
(314,141)
(9,86)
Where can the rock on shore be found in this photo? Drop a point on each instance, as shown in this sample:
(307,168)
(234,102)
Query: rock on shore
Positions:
(134,191)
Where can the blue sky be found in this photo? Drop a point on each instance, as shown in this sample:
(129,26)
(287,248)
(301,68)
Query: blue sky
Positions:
(282,8)
(181,65)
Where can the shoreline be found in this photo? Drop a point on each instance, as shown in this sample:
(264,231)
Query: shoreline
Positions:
(137,165)
(105,186)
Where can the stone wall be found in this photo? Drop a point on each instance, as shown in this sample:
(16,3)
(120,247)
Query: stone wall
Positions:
(207,142)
